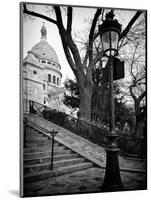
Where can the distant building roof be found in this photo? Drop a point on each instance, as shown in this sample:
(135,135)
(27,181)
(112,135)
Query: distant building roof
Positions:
(30,58)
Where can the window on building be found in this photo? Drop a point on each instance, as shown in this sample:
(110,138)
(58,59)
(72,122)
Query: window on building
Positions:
(43,61)
(54,79)
(49,78)
(57,81)
(44,101)
(44,87)
(34,72)
(49,62)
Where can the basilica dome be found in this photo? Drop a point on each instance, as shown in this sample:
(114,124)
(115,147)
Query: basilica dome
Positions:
(42,72)
(43,50)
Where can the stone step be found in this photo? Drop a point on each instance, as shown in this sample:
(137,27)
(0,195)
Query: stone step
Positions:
(136,159)
(43,149)
(56,164)
(36,138)
(38,144)
(30,161)
(32,132)
(31,144)
(40,175)
(37,135)
(46,153)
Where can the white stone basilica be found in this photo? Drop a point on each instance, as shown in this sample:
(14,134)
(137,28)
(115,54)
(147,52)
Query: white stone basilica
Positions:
(41,72)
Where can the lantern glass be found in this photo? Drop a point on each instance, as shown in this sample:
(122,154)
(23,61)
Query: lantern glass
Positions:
(114,39)
(110,43)
(106,41)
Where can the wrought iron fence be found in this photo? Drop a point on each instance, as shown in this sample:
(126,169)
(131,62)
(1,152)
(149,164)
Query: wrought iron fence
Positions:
(95,134)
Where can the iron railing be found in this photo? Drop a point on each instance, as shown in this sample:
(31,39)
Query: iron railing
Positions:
(51,132)
(95,134)
(79,127)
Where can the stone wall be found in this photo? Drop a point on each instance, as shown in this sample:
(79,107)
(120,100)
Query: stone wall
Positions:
(32,84)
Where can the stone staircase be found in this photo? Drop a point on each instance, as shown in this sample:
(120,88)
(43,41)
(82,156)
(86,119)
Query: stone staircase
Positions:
(37,157)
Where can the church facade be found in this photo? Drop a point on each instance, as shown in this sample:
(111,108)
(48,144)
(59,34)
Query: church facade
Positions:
(41,72)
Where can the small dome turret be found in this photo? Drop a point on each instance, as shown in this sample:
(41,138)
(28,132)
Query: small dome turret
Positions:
(43,32)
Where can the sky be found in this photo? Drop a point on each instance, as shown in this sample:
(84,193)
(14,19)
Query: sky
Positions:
(31,31)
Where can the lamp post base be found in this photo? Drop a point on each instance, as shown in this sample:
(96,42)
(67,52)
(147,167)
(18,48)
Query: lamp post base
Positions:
(112,180)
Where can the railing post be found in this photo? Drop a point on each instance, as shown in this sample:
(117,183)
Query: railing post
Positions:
(53,134)
(30,106)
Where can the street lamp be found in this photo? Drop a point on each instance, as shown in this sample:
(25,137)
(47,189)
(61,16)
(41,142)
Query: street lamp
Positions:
(110,32)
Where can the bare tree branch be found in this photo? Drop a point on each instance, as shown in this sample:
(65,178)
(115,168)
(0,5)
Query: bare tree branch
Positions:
(133,61)
(132,94)
(69,20)
(59,17)
(68,44)
(96,59)
(128,27)
(130,24)
(94,21)
(35,14)
(64,39)
(142,96)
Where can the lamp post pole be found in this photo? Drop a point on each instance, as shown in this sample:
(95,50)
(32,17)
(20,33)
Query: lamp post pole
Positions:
(112,180)
(109,32)
(111,86)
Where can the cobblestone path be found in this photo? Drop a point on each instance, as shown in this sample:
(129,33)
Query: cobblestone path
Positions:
(85,181)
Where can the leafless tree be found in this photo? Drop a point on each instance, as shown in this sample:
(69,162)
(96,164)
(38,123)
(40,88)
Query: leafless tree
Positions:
(81,67)
(134,54)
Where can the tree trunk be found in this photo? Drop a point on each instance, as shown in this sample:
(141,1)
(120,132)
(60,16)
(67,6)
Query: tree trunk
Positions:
(136,126)
(85,104)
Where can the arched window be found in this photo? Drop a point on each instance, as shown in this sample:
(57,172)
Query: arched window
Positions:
(49,78)
(54,79)
(57,81)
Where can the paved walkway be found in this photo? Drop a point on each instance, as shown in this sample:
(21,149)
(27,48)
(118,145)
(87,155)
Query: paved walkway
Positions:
(86,181)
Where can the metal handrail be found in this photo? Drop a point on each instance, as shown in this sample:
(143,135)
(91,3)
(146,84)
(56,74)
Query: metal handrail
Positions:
(52,134)
(84,129)
(75,119)
(122,133)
